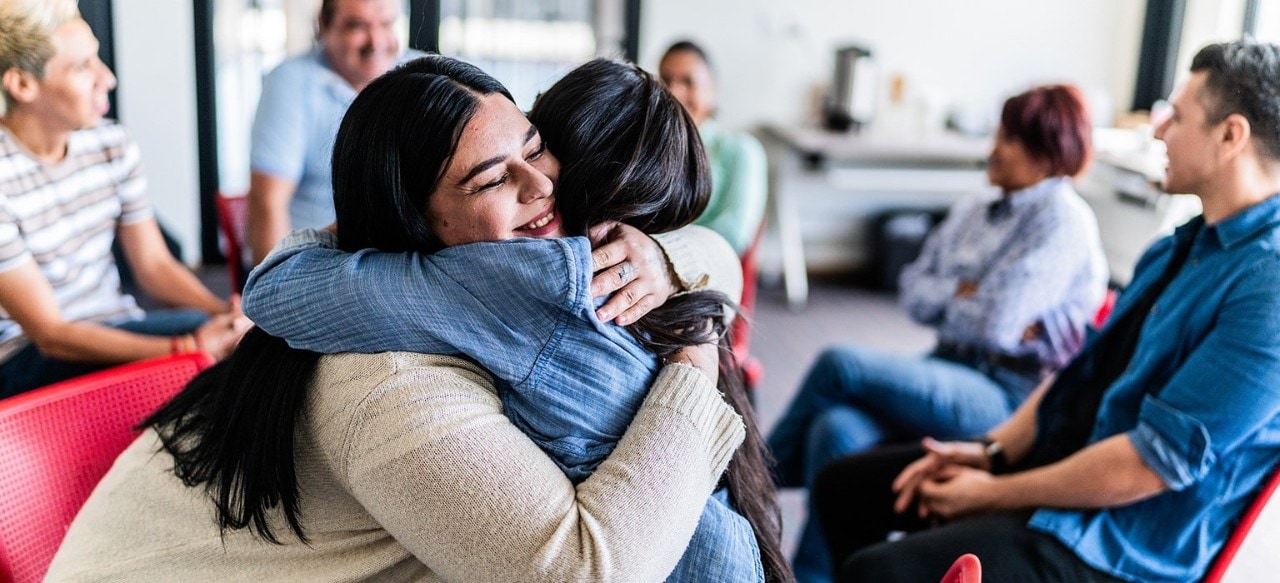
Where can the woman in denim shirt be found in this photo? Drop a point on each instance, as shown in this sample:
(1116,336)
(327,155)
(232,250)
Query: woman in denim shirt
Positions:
(630,154)
(474,195)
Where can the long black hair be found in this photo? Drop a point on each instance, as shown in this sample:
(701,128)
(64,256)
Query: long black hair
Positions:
(232,428)
(629,152)
(385,166)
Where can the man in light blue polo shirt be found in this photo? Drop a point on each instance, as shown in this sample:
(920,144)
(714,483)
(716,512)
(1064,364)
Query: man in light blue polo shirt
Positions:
(1140,459)
(302,102)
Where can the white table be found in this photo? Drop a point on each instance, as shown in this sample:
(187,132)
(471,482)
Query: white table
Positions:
(820,180)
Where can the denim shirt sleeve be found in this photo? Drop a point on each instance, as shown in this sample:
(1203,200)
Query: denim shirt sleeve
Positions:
(1209,407)
(462,300)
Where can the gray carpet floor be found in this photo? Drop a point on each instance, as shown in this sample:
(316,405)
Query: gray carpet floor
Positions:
(786,342)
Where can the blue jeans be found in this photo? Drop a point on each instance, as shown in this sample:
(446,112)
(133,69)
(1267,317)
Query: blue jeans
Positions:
(28,368)
(853,398)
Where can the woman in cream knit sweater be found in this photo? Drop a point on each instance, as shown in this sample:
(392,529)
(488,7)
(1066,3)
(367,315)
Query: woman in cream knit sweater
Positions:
(407,469)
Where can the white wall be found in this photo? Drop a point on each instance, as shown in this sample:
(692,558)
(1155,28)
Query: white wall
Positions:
(1207,21)
(155,65)
(770,55)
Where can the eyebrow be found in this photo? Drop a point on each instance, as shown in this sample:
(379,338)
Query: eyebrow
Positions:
(487,164)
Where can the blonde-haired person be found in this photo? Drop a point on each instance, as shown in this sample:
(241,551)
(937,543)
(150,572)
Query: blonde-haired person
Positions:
(70,184)
(26,42)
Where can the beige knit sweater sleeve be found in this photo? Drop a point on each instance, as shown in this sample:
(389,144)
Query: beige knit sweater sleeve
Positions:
(702,259)
(429,454)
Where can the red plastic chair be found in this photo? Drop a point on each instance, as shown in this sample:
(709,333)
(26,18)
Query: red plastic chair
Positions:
(233,212)
(1104,311)
(1231,550)
(752,370)
(966,569)
(56,442)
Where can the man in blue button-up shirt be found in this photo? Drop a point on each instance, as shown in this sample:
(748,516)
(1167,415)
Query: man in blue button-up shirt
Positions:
(1189,430)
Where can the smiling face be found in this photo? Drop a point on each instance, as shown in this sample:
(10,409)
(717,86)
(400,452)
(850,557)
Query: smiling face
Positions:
(1190,140)
(499,183)
(73,92)
(688,78)
(360,40)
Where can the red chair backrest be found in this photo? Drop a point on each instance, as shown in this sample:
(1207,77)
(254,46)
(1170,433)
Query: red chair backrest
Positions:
(233,212)
(746,308)
(1104,311)
(56,442)
(966,569)
(1230,550)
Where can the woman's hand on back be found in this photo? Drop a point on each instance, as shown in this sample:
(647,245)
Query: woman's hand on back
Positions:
(631,266)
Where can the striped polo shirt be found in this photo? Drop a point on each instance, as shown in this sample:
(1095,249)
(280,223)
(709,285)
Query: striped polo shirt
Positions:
(64,215)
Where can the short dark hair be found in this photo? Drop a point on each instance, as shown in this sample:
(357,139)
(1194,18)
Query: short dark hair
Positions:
(628,150)
(393,146)
(1244,78)
(1052,123)
(327,9)
(688,46)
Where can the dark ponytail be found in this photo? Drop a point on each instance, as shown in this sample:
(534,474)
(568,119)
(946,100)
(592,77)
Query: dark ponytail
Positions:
(232,429)
(629,152)
(682,322)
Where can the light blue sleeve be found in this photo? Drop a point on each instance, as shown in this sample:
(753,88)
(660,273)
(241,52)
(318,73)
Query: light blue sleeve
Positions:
(467,299)
(278,139)
(925,288)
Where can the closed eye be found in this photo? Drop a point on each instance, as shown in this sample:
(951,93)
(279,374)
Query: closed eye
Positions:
(492,185)
(537,153)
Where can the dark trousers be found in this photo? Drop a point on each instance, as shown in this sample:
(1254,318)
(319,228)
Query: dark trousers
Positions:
(854,503)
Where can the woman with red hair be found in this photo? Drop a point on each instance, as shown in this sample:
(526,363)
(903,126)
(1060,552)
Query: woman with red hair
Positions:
(1009,280)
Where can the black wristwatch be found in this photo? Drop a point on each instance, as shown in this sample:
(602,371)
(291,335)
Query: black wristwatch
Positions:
(995,454)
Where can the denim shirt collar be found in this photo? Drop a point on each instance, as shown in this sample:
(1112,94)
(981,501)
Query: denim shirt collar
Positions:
(1246,224)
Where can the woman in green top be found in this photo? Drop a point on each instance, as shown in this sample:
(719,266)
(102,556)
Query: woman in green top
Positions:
(739,174)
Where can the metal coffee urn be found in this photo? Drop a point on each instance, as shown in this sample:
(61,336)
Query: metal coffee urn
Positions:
(853,90)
